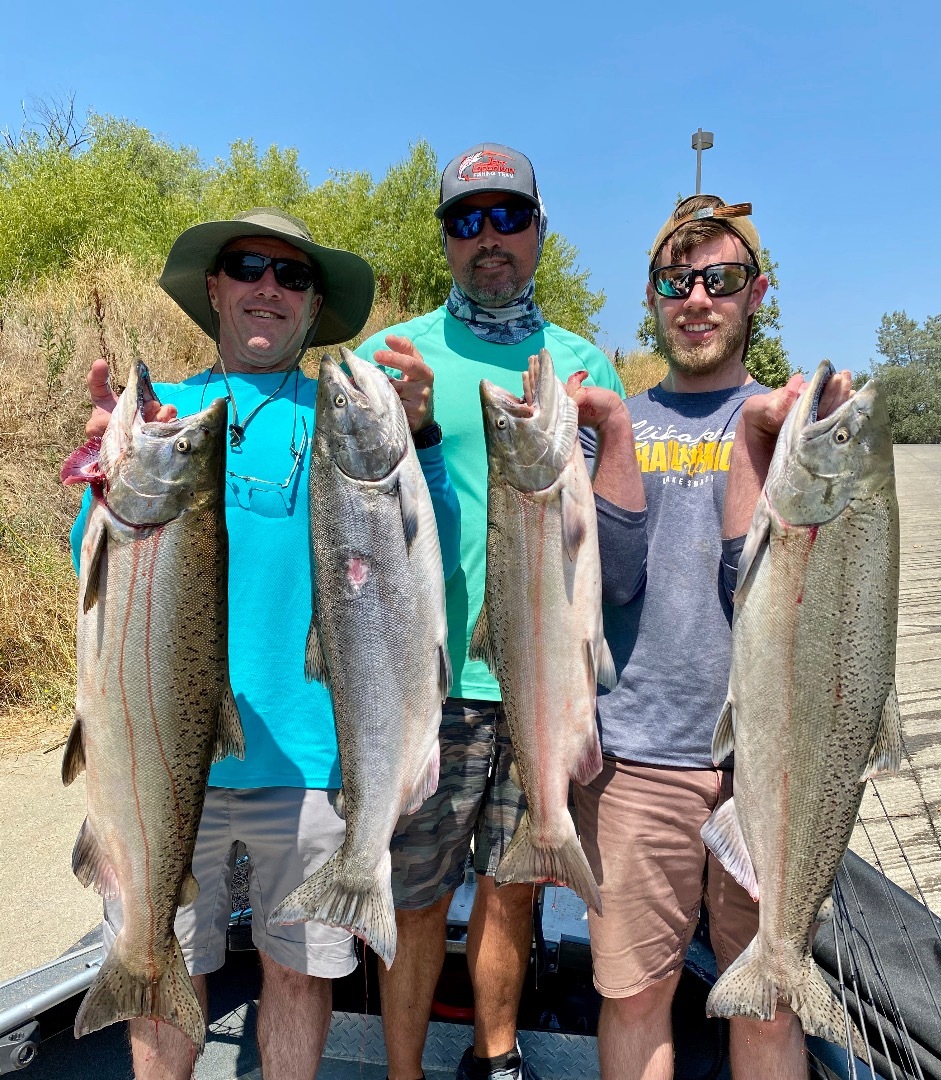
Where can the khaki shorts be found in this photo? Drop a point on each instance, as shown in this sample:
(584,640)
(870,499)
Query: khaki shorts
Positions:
(639,826)
(289,833)
(475,799)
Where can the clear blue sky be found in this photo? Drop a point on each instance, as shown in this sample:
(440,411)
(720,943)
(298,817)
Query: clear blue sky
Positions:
(825,118)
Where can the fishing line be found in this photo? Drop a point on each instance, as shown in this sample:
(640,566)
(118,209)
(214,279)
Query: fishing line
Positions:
(904,1042)
(850,1056)
(901,925)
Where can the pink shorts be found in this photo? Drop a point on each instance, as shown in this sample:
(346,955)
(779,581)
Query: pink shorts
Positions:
(639,826)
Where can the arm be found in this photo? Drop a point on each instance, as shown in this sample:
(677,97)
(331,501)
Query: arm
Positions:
(416,392)
(607,438)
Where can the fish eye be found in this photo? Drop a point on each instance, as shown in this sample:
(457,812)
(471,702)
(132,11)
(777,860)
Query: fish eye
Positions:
(183,445)
(340,401)
(841,435)
(501,422)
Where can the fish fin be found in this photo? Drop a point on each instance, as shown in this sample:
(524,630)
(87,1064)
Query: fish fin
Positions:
(573,525)
(73,760)
(339,805)
(607,672)
(886,754)
(514,773)
(481,644)
(189,889)
(118,993)
(722,834)
(93,581)
(427,783)
(445,674)
(91,865)
(723,738)
(589,764)
(82,466)
(315,666)
(229,736)
(409,504)
(825,912)
(753,985)
(564,864)
(754,542)
(365,909)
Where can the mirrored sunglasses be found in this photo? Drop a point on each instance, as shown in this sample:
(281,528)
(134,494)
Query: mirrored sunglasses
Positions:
(246,266)
(720,279)
(467,223)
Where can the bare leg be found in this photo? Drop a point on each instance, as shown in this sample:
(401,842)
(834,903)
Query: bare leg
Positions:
(293,1020)
(407,988)
(771,1049)
(635,1035)
(162,1051)
(499,941)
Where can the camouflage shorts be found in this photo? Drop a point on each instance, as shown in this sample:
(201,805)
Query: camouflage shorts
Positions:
(475,798)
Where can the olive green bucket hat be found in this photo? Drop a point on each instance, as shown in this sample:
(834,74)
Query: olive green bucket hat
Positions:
(346,280)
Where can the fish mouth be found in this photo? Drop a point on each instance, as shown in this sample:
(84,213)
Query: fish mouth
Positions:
(498,398)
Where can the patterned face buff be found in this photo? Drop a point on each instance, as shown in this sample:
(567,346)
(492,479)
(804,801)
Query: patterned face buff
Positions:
(511,323)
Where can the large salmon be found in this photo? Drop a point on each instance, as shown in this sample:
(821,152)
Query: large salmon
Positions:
(153,706)
(812,710)
(378,639)
(540,628)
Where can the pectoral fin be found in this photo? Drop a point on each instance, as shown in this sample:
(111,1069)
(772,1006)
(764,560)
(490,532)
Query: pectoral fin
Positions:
(573,525)
(755,541)
(409,505)
(93,580)
(723,738)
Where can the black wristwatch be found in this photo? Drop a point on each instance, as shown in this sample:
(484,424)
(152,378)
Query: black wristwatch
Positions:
(427,436)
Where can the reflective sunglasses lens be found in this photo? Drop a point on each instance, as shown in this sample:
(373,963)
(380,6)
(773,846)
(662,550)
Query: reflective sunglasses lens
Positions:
(293,274)
(725,279)
(464,226)
(672,281)
(511,219)
(243,266)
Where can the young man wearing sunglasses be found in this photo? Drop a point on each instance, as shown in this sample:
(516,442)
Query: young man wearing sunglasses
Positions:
(493,226)
(704,438)
(265,292)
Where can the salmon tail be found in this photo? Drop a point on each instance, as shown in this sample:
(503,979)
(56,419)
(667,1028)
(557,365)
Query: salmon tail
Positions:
(753,986)
(121,994)
(367,912)
(564,864)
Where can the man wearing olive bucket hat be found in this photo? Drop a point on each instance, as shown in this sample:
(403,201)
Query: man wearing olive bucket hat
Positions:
(265,292)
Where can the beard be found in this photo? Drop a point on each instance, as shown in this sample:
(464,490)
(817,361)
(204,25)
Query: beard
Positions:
(497,287)
(727,344)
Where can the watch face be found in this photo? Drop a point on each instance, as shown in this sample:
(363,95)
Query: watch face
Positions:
(428,436)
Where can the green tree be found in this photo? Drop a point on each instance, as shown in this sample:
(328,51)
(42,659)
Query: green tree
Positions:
(766,359)
(902,341)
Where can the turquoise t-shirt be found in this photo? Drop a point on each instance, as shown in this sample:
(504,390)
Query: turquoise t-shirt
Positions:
(290,739)
(460,360)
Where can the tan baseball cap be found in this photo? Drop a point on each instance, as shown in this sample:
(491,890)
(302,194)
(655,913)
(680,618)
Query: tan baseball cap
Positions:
(734,217)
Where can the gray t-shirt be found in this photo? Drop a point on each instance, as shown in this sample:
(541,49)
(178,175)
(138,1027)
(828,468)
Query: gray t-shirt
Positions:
(668,579)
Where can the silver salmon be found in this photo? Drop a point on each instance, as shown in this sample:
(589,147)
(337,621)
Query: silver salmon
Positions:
(812,711)
(540,629)
(153,706)
(378,639)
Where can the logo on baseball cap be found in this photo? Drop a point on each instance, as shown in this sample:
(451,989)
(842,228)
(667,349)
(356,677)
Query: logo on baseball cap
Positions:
(487,167)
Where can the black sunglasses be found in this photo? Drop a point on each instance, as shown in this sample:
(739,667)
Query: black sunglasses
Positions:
(467,223)
(720,279)
(247,266)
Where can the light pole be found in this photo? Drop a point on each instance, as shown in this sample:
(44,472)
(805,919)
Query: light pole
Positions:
(702,140)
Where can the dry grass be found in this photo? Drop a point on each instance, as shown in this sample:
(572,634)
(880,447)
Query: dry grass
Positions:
(639,370)
(106,306)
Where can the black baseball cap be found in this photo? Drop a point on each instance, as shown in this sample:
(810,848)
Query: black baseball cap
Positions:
(487,167)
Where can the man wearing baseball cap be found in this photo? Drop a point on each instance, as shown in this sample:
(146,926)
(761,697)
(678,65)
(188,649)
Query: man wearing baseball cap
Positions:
(704,437)
(493,227)
(265,291)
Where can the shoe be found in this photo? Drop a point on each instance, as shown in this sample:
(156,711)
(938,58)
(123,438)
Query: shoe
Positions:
(509,1066)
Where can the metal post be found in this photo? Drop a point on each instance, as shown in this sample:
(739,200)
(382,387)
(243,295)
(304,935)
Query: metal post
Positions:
(702,140)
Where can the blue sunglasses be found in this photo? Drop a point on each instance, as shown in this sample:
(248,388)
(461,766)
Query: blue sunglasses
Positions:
(507,220)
